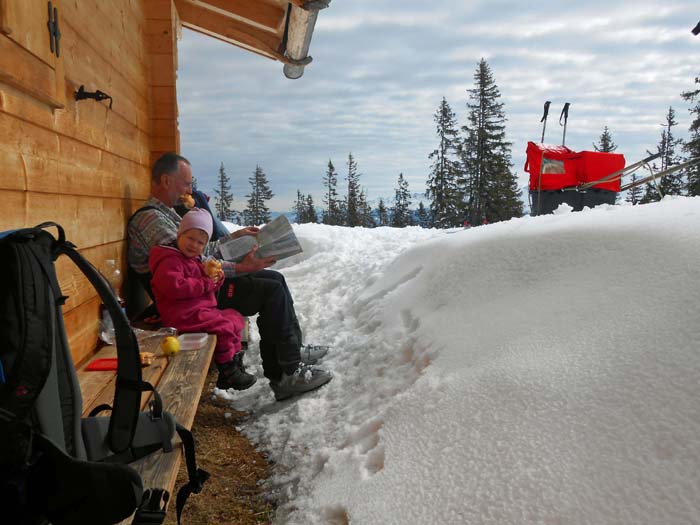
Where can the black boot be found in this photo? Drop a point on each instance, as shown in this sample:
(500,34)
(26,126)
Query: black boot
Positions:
(233,375)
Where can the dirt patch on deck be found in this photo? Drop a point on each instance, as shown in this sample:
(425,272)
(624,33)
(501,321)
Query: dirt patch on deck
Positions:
(233,494)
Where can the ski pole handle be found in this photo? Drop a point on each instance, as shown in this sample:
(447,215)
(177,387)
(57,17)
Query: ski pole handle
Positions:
(564,114)
(546,111)
(544,119)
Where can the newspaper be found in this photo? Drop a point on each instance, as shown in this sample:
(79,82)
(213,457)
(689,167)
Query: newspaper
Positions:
(275,239)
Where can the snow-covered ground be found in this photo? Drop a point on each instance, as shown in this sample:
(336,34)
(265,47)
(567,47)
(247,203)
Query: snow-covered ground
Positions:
(541,370)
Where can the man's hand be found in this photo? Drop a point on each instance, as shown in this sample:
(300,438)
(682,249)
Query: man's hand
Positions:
(248,230)
(251,264)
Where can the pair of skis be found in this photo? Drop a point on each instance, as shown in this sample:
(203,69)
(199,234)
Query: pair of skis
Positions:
(564,115)
(655,176)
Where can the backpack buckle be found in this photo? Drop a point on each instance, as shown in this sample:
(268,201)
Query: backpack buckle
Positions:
(153,412)
(152,508)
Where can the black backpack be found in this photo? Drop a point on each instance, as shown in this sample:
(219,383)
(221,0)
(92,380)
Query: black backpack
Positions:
(55,466)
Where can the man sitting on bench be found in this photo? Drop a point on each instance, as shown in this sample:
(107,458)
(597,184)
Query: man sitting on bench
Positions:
(249,287)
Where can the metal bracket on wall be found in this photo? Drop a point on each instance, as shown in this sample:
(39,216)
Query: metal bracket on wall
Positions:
(54,32)
(81,94)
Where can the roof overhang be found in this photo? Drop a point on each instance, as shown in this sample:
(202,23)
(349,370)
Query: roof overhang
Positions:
(277,29)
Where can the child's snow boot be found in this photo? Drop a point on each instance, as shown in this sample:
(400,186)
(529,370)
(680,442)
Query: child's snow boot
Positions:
(233,375)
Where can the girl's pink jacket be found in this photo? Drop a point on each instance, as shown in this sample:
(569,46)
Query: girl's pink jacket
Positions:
(185,294)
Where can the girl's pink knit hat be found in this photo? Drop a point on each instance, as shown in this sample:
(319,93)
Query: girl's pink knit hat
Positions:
(196,218)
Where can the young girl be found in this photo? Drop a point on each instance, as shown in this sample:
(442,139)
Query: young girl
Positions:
(185,295)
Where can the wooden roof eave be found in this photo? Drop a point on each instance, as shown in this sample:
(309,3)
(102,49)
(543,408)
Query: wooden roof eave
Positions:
(258,27)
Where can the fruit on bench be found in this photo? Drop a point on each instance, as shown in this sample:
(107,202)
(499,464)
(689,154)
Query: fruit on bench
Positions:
(170,346)
(187,200)
(146,358)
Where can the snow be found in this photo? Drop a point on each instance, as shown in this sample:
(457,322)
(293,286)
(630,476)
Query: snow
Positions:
(540,370)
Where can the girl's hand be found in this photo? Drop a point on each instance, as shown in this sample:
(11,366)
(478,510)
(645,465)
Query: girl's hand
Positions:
(217,276)
(212,267)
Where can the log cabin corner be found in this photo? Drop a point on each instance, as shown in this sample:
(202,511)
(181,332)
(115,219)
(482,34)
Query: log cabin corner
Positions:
(85,164)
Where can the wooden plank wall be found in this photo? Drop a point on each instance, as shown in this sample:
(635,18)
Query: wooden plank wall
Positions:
(162,30)
(87,167)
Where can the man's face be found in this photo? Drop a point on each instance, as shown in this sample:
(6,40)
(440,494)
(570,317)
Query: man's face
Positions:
(180,183)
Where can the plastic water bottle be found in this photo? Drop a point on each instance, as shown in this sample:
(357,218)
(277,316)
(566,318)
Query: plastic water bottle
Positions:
(114,278)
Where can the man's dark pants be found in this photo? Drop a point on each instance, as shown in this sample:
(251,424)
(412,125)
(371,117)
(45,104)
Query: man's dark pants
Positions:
(266,293)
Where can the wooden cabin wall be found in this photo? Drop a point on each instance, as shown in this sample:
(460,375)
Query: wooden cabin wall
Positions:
(162,30)
(84,165)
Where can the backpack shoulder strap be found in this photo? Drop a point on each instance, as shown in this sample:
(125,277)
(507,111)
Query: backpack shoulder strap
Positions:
(142,208)
(127,394)
(143,279)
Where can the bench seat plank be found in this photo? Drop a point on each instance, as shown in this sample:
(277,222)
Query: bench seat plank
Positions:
(180,389)
(97,387)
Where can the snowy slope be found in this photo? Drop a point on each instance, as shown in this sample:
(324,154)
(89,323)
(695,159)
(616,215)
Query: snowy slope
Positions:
(542,370)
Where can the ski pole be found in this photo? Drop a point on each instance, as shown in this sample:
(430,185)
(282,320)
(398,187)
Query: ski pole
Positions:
(565,114)
(544,119)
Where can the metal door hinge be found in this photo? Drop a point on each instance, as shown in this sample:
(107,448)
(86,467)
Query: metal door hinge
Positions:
(54,32)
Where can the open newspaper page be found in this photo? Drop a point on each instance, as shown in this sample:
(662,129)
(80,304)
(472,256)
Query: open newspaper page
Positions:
(275,239)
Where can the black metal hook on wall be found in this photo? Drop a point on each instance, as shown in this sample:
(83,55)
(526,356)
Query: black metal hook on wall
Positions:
(98,95)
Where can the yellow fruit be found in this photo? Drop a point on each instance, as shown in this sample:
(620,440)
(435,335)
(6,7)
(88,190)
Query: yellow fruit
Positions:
(170,346)
(187,200)
(212,267)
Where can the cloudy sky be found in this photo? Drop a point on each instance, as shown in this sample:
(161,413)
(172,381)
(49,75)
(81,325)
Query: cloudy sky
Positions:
(381,68)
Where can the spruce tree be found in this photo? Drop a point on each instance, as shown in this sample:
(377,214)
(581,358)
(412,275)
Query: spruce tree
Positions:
(224,197)
(692,146)
(671,184)
(310,211)
(382,214)
(606,145)
(491,188)
(257,212)
(605,142)
(352,200)
(332,213)
(442,190)
(300,208)
(634,195)
(401,213)
(342,213)
(365,211)
(423,217)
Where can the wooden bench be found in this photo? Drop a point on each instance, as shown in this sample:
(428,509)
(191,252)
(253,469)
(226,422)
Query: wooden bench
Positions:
(179,380)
